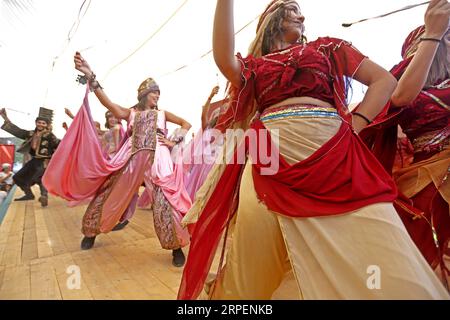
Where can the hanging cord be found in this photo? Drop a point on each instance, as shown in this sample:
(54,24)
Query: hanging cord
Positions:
(205,54)
(346,25)
(147,40)
(70,35)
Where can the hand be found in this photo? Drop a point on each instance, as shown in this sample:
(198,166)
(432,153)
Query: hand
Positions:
(164,141)
(9,174)
(3,114)
(437,19)
(69,113)
(81,64)
(214,91)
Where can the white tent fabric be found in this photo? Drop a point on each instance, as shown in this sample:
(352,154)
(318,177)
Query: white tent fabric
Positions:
(36,58)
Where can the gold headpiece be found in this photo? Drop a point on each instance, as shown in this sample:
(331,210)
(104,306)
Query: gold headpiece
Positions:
(147,86)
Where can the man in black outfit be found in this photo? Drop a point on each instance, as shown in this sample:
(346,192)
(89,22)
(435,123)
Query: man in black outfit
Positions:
(40,143)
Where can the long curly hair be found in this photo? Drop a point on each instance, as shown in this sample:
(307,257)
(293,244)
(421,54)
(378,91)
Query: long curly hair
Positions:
(274,29)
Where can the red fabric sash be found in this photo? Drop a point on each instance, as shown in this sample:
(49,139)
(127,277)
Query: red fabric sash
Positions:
(341,176)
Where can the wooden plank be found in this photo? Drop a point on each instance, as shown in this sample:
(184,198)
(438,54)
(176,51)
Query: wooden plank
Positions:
(161,263)
(137,265)
(54,237)
(29,243)
(5,228)
(42,237)
(129,234)
(68,232)
(63,265)
(16,283)
(142,222)
(128,287)
(44,285)
(2,274)
(13,249)
(39,244)
(98,284)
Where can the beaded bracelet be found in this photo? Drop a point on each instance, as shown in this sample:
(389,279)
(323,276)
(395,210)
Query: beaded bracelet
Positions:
(93,83)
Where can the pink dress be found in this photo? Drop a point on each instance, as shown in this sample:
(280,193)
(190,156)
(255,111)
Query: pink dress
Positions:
(109,145)
(79,171)
(200,155)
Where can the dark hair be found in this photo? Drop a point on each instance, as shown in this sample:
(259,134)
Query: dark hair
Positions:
(46,120)
(142,103)
(108,114)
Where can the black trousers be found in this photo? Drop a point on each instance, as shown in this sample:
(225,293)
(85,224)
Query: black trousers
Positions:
(31,174)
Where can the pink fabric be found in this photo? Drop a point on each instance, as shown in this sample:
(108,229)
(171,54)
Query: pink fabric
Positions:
(119,204)
(109,147)
(131,208)
(146,198)
(199,157)
(78,168)
(168,174)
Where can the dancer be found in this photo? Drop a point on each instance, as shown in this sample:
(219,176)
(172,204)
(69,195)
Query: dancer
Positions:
(421,106)
(40,144)
(112,138)
(97,124)
(114,183)
(327,211)
(200,153)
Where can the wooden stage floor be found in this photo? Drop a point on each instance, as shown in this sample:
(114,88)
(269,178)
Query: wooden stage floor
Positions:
(39,248)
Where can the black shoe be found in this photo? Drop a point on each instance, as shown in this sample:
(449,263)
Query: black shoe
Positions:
(120,226)
(178,258)
(87,243)
(25,197)
(43,200)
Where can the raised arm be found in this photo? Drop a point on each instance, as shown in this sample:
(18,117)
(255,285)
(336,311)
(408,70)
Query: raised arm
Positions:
(206,106)
(223,42)
(69,113)
(4,115)
(381,83)
(118,111)
(177,120)
(413,79)
(11,128)
(179,135)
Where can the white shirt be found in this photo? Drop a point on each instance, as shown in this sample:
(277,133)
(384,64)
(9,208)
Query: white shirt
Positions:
(7,181)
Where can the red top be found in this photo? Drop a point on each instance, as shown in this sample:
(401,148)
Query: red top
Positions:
(317,69)
(427,118)
(299,71)
(341,176)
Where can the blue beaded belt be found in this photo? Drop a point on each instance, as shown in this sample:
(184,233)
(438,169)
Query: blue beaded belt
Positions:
(298,111)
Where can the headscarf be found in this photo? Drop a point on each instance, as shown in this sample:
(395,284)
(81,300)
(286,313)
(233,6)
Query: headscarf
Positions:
(147,86)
